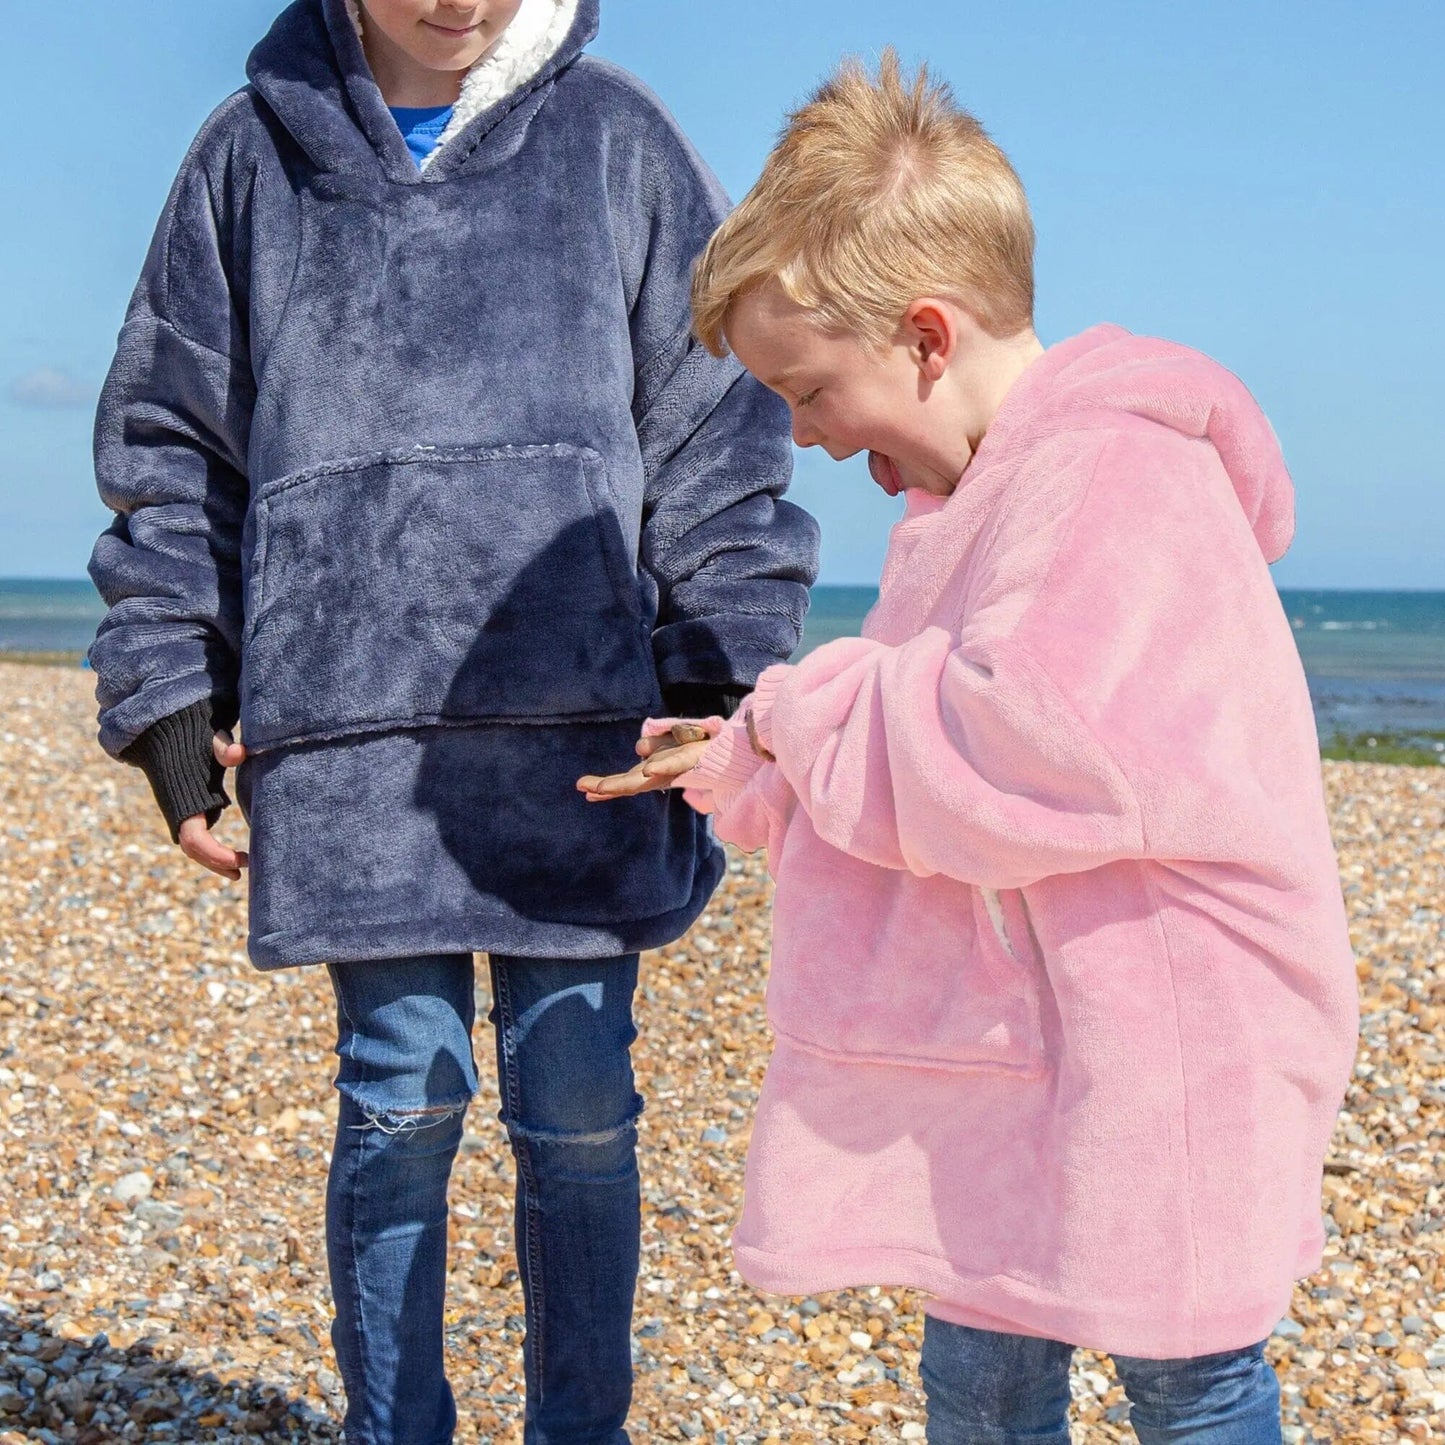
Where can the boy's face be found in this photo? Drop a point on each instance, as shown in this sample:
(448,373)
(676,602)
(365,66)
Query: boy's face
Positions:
(847,396)
(445,35)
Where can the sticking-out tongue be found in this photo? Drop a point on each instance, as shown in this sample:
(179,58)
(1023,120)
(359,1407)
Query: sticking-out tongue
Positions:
(884,471)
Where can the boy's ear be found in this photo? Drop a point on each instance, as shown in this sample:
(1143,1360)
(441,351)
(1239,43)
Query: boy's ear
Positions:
(932,335)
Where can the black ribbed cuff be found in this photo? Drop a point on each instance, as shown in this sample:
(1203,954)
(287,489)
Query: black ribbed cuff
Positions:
(177,756)
(703,699)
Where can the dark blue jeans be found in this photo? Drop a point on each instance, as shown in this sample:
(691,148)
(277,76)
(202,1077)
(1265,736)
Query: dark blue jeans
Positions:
(563,1033)
(987,1388)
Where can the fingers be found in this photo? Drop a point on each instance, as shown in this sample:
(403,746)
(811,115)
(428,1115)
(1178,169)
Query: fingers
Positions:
(649,776)
(200,846)
(681,733)
(228,753)
(675,761)
(619,785)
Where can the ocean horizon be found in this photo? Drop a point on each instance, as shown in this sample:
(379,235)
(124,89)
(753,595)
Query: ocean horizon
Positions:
(1375,659)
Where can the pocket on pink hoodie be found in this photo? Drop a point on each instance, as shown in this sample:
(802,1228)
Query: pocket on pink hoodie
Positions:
(966,996)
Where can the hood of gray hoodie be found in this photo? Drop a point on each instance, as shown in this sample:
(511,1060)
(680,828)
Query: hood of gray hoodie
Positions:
(426,475)
(312,72)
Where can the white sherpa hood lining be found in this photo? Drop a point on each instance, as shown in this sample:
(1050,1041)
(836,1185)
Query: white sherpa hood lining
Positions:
(527,44)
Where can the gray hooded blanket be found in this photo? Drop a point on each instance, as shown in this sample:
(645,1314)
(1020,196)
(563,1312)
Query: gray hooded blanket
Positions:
(424,475)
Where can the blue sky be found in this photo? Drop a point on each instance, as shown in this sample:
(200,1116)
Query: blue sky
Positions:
(1259,180)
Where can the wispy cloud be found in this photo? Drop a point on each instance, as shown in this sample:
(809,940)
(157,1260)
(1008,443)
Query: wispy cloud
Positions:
(47,386)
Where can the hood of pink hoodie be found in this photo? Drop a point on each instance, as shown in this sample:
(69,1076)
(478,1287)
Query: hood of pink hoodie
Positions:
(1092,378)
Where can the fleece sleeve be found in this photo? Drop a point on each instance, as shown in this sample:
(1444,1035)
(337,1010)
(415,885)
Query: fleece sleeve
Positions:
(749,798)
(946,756)
(170,457)
(1125,685)
(731,560)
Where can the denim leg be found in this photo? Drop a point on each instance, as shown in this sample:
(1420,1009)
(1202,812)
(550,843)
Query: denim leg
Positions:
(406,1077)
(989,1388)
(1225,1399)
(563,1032)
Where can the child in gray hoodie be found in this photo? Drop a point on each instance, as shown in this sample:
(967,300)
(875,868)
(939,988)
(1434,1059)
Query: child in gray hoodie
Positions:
(418,471)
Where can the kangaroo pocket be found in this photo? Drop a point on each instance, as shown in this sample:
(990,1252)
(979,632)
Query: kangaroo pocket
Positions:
(944,983)
(436,586)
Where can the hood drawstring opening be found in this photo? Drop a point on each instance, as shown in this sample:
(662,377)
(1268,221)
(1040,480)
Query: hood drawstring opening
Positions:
(534,36)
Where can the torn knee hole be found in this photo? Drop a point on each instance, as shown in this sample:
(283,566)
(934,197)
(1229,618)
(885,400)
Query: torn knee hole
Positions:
(407,1121)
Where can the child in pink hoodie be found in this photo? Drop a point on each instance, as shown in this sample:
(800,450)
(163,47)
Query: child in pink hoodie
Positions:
(1062,992)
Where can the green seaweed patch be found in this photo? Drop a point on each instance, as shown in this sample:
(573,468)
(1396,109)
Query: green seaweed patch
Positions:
(1411,750)
(44,659)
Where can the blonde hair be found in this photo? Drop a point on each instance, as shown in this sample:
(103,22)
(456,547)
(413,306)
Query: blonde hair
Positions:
(879,192)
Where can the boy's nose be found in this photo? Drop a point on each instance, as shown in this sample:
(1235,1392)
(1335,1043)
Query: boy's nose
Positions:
(803,434)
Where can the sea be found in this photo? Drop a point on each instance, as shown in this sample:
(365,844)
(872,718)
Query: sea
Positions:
(1375,660)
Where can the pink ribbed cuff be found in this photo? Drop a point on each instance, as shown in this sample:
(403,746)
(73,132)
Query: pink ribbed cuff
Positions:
(656,727)
(760,704)
(728,764)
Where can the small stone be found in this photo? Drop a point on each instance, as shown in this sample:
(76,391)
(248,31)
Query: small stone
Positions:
(714,1135)
(158,1213)
(860,1341)
(1413,1325)
(912,1430)
(1289,1329)
(131,1188)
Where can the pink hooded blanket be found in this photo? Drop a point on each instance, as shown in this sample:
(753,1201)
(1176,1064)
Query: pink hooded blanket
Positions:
(1062,991)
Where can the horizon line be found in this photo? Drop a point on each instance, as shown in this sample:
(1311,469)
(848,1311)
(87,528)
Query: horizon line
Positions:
(864,586)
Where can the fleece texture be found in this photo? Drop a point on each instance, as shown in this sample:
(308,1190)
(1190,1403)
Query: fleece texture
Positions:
(425,474)
(536,33)
(1062,990)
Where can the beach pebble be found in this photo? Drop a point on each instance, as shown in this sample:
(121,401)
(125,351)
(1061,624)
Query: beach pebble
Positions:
(166,1115)
(133,1187)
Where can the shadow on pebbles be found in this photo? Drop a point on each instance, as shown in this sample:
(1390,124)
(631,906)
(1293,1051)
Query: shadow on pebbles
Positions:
(166,1116)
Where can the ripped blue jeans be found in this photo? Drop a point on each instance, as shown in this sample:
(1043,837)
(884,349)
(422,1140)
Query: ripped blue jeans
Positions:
(563,1033)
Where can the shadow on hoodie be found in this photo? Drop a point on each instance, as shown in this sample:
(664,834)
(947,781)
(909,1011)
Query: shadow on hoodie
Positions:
(561,646)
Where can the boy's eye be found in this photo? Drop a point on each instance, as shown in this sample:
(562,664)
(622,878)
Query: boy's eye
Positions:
(810,398)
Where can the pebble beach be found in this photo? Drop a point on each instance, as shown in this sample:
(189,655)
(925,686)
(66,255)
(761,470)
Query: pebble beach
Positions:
(166,1116)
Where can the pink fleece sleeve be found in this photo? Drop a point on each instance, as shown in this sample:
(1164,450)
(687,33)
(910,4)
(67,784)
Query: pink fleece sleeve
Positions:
(748,798)
(946,756)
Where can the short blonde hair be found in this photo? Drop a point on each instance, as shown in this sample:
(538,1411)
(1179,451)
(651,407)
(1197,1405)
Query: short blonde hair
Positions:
(879,192)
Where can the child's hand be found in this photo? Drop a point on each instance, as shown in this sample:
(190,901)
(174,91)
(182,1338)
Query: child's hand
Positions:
(664,759)
(196,840)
